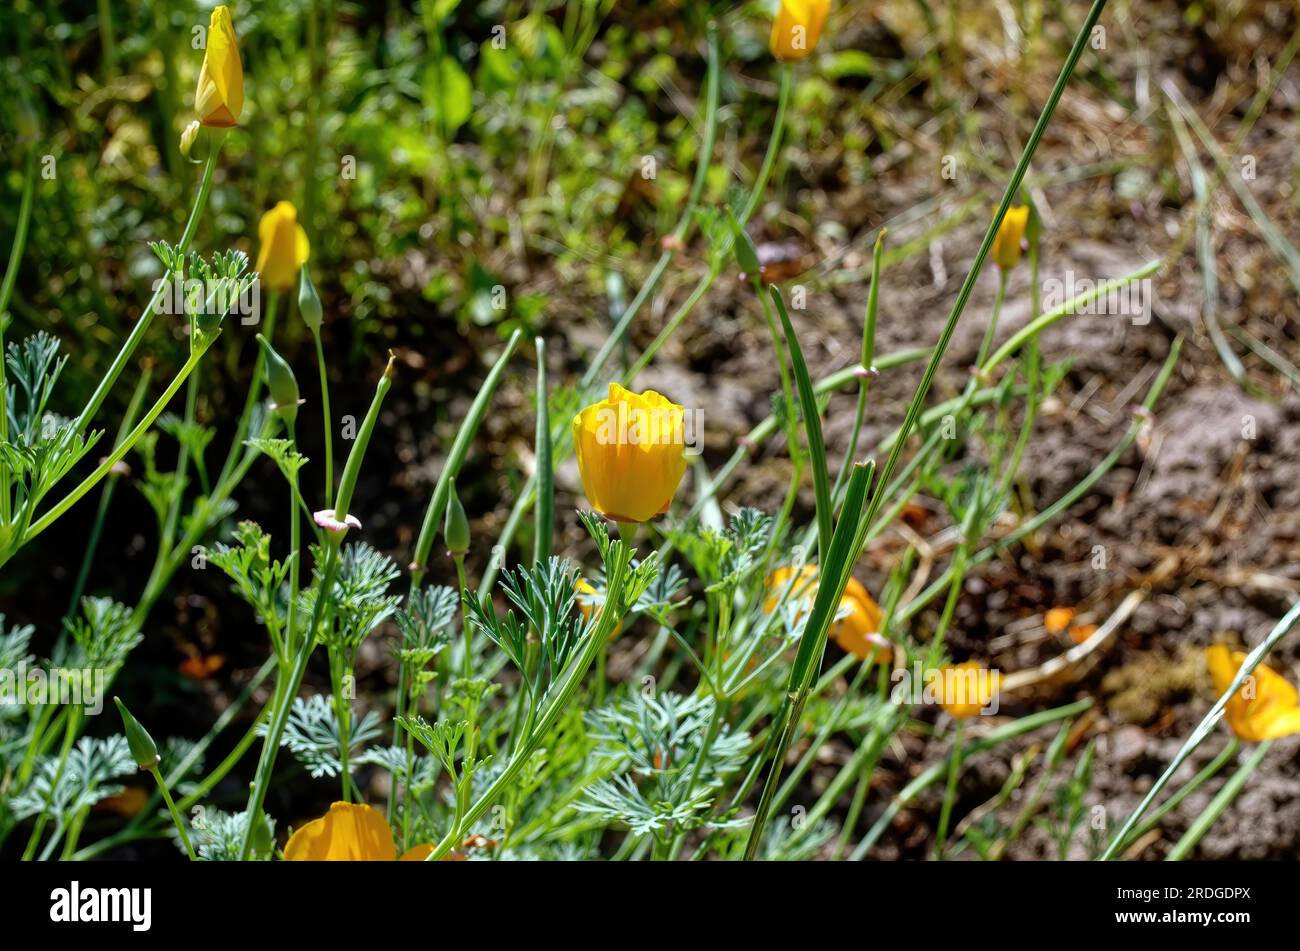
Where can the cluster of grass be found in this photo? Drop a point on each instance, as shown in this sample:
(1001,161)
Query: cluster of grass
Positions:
(511,736)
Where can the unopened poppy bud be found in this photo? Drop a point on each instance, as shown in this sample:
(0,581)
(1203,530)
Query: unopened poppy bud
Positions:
(1006,244)
(456,527)
(284,247)
(143,749)
(746,253)
(309,303)
(188,136)
(219,98)
(280,383)
(797,28)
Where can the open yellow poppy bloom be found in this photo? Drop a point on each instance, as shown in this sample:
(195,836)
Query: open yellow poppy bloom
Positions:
(630,450)
(1266,706)
(797,28)
(965,689)
(589,606)
(349,833)
(1006,243)
(858,633)
(284,247)
(219,98)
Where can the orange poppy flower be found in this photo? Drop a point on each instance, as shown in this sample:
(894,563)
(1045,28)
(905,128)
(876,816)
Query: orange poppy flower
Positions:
(349,832)
(1266,706)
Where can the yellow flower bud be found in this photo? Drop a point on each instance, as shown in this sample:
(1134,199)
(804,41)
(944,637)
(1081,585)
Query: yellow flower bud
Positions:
(219,98)
(188,136)
(630,450)
(1006,245)
(797,27)
(284,247)
(1266,707)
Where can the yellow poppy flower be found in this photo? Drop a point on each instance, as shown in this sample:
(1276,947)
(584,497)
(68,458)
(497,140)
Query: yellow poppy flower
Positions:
(797,28)
(349,832)
(219,98)
(1006,244)
(630,450)
(284,247)
(1266,706)
(590,606)
(965,689)
(858,633)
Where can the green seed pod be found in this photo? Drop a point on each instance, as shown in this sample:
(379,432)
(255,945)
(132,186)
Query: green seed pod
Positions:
(746,253)
(456,528)
(280,383)
(138,739)
(309,303)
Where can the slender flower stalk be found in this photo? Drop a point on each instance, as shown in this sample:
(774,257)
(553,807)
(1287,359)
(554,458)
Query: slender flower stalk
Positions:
(175,813)
(284,699)
(217,139)
(113,458)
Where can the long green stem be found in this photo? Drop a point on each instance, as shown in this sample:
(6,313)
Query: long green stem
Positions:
(968,285)
(115,457)
(437,508)
(950,790)
(866,369)
(142,325)
(97,529)
(283,702)
(724,250)
(619,333)
(1208,772)
(327,419)
(254,390)
(1231,789)
(176,816)
(616,567)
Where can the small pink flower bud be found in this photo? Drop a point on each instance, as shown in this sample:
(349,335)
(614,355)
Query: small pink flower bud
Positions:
(326,520)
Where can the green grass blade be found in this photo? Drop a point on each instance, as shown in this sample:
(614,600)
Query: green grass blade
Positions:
(812,426)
